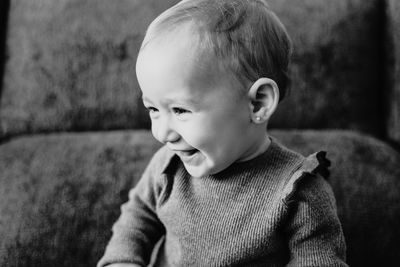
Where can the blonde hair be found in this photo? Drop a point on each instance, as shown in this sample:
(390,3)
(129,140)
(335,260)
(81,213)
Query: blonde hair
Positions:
(243,34)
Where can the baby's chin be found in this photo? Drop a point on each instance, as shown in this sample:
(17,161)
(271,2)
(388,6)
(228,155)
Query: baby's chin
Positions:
(197,171)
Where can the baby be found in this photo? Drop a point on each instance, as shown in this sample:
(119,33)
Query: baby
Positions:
(221,192)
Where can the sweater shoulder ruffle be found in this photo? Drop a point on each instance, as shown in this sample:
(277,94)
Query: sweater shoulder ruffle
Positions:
(315,164)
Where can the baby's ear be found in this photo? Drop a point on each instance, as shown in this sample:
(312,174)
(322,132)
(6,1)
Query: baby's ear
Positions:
(264,99)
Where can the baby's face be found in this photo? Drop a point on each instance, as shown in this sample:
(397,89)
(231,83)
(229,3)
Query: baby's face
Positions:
(195,108)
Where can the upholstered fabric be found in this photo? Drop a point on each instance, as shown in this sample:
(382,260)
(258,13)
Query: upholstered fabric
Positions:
(71,65)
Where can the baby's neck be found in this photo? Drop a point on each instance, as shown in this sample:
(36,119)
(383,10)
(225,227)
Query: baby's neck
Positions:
(261,148)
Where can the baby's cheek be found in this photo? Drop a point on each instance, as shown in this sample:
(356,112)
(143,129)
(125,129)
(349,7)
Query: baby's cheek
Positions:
(202,140)
(154,131)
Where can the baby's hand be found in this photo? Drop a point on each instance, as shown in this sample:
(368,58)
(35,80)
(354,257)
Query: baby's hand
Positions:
(123,265)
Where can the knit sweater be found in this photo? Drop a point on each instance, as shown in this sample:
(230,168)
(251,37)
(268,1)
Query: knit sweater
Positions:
(273,210)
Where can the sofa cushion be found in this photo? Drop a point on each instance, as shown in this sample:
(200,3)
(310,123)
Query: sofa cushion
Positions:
(60,194)
(71,65)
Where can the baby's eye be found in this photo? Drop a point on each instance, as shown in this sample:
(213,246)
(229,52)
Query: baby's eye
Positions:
(151,109)
(180,111)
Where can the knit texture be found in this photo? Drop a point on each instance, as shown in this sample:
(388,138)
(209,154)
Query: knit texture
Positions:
(273,210)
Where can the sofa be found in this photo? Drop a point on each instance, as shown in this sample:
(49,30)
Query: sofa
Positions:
(74,136)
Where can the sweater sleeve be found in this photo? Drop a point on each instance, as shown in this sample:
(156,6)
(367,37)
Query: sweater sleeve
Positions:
(313,229)
(138,228)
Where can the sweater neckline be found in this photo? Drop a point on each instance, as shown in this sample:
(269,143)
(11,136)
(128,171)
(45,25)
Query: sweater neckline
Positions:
(263,159)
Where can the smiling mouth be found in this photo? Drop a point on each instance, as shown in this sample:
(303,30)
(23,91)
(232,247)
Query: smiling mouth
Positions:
(186,154)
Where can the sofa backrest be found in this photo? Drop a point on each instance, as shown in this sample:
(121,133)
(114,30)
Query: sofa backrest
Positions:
(71,65)
(393,76)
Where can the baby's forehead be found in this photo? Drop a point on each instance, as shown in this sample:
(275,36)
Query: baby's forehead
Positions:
(184,42)
(189,46)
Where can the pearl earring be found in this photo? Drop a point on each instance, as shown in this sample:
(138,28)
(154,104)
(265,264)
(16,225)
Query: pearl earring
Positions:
(258,118)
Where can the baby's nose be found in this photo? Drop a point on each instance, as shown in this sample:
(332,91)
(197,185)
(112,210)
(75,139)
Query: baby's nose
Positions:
(164,133)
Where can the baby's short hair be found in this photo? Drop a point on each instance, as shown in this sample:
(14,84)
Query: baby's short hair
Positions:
(244,34)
